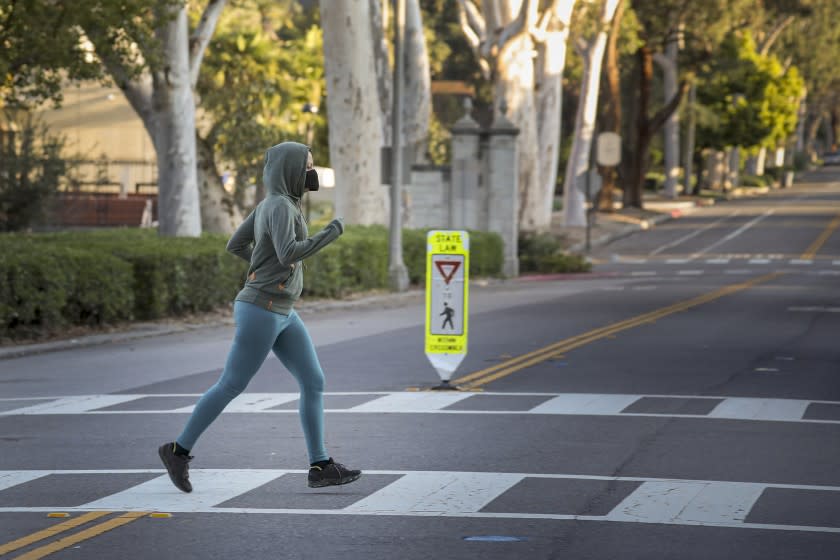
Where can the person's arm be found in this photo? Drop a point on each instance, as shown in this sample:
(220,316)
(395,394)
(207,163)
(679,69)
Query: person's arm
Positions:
(241,240)
(288,249)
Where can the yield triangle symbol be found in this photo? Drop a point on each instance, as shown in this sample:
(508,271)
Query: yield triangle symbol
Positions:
(447,269)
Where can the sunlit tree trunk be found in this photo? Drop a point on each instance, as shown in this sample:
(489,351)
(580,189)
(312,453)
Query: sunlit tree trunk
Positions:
(354,111)
(574,209)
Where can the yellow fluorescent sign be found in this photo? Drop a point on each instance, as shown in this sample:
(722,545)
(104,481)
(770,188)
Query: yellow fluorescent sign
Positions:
(447,284)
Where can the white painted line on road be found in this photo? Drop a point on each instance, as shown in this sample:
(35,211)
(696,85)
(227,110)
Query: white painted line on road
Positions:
(257,402)
(216,486)
(690,235)
(433,402)
(690,272)
(13,478)
(411,402)
(759,261)
(643,273)
(643,288)
(734,234)
(815,309)
(835,263)
(677,261)
(437,492)
(760,409)
(585,403)
(449,494)
(805,262)
(740,271)
(76,405)
(717,261)
(673,501)
(829,272)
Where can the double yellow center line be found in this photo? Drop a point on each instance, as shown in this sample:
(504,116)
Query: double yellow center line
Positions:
(484,376)
(75,538)
(811,251)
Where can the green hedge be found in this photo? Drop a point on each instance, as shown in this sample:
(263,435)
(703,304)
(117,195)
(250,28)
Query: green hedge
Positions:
(543,253)
(50,280)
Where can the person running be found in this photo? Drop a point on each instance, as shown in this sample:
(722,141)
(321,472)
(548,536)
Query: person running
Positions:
(273,239)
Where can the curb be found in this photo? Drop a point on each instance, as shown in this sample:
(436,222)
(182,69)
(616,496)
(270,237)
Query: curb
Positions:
(625,231)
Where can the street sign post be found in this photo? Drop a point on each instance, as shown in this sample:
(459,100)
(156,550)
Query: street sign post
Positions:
(447,300)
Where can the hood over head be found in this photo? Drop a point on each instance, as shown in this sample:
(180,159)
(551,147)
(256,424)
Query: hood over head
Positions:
(284,172)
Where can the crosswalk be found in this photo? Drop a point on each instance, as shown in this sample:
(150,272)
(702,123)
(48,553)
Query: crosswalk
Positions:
(454,402)
(438,493)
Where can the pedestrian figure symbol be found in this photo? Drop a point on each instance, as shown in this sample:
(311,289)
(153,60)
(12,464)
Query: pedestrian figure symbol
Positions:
(448,312)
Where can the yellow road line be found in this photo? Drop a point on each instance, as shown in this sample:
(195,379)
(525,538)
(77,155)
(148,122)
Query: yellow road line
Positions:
(50,531)
(518,363)
(94,531)
(811,251)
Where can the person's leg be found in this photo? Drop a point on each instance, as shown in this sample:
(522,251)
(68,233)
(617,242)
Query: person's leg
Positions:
(295,350)
(256,330)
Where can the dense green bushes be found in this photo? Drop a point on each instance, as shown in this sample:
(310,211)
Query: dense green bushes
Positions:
(544,254)
(51,280)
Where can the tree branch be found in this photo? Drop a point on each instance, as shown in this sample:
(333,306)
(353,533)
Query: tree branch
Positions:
(525,22)
(473,26)
(202,35)
(658,120)
(774,34)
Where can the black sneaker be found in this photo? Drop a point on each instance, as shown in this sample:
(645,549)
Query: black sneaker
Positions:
(178,466)
(331,474)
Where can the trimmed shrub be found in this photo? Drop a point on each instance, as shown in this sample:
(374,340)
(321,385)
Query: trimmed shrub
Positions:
(53,279)
(543,253)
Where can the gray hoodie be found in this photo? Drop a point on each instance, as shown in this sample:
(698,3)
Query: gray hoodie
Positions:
(274,238)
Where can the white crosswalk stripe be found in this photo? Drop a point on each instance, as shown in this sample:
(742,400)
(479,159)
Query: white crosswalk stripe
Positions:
(437,493)
(434,402)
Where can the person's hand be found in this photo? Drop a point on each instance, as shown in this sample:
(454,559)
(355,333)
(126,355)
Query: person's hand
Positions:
(339,223)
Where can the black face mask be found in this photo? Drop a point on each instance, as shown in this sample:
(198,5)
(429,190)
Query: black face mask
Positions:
(311,183)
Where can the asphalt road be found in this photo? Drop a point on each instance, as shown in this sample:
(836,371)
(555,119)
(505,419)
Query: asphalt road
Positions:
(682,401)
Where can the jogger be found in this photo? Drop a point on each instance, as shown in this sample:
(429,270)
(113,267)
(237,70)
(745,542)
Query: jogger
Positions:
(259,332)
(273,239)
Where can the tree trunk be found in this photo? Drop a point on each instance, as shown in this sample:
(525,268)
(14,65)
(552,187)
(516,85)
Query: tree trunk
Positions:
(515,89)
(612,107)
(219,213)
(382,66)
(417,109)
(551,62)
(574,210)
(634,182)
(671,130)
(354,114)
(811,134)
(173,104)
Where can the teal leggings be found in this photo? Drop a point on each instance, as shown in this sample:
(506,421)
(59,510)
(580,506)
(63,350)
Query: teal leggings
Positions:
(259,331)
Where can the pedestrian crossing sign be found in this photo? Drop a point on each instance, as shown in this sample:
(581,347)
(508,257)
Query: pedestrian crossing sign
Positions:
(447,285)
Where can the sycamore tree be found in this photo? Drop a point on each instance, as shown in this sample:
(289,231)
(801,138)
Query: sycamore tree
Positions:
(147,48)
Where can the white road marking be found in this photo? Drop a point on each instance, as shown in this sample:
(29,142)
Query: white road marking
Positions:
(76,405)
(643,273)
(252,402)
(690,272)
(734,234)
(673,501)
(585,403)
(13,478)
(690,235)
(738,271)
(437,492)
(759,261)
(814,309)
(217,486)
(411,402)
(434,402)
(717,261)
(805,262)
(760,409)
(446,494)
(677,261)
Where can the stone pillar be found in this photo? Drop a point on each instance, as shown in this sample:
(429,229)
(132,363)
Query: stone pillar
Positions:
(502,189)
(465,198)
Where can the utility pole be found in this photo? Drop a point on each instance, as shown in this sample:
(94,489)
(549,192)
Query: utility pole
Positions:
(397,272)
